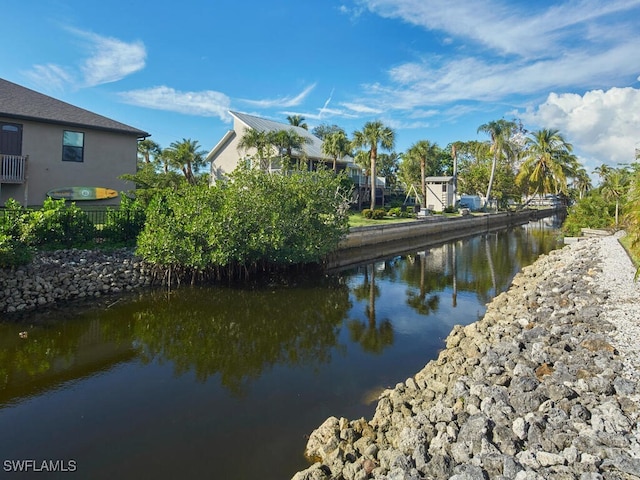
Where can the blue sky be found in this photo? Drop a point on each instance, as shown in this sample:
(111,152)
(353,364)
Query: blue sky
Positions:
(430,69)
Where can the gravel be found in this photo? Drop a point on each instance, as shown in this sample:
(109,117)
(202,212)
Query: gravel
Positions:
(622,308)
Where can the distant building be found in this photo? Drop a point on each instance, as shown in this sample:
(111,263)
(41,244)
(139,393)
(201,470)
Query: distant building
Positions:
(226,156)
(47,144)
(440,193)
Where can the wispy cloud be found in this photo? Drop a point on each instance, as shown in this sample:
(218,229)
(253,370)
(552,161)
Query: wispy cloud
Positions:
(325,107)
(49,77)
(362,108)
(501,53)
(504,27)
(107,60)
(207,103)
(282,102)
(110,59)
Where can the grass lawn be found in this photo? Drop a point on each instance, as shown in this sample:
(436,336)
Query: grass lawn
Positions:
(357,220)
(626,243)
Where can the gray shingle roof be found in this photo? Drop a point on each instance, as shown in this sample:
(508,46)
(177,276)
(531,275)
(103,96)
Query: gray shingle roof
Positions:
(22,103)
(313,149)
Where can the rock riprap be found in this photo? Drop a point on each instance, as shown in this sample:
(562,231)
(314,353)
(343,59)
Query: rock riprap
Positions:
(70,274)
(537,389)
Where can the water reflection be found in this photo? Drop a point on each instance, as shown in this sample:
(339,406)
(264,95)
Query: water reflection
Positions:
(373,335)
(234,333)
(236,372)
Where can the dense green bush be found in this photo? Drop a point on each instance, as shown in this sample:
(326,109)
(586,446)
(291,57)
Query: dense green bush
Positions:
(57,225)
(591,211)
(12,219)
(377,214)
(122,226)
(253,222)
(400,212)
(13,252)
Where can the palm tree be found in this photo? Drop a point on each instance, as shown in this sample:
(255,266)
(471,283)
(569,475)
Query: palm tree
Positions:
(188,157)
(423,151)
(336,145)
(372,135)
(582,182)
(547,163)
(148,148)
(602,171)
(286,141)
(255,139)
(615,186)
(297,121)
(500,132)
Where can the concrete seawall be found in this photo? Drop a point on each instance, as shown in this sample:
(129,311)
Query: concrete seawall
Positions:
(370,243)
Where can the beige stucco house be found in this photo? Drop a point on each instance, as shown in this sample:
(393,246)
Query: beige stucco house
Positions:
(226,155)
(47,144)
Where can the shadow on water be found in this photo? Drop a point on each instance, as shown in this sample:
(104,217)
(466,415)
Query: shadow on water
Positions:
(226,382)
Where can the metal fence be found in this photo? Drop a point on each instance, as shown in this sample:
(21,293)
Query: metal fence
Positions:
(125,224)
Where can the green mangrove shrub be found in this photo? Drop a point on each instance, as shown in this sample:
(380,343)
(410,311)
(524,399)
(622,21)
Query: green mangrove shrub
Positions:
(13,249)
(254,222)
(123,225)
(591,211)
(57,225)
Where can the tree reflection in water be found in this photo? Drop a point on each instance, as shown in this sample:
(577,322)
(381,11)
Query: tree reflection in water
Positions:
(372,337)
(238,334)
(235,333)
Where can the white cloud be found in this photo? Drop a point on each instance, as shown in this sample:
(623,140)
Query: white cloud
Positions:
(111,59)
(283,102)
(505,27)
(604,124)
(504,52)
(435,80)
(49,77)
(362,108)
(207,103)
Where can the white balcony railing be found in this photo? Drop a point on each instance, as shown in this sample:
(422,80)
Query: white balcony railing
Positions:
(363,180)
(13,168)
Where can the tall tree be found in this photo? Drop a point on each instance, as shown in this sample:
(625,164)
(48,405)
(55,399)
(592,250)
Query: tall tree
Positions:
(500,132)
(187,156)
(547,163)
(322,130)
(255,139)
(374,135)
(615,186)
(581,182)
(425,152)
(148,148)
(286,141)
(387,166)
(297,121)
(336,145)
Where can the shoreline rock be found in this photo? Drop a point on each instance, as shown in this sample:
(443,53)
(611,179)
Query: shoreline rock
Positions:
(64,275)
(536,389)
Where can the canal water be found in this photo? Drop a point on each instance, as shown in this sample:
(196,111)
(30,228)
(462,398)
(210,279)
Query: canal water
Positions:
(226,383)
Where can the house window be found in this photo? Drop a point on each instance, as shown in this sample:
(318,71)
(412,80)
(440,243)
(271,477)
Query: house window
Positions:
(444,188)
(72,146)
